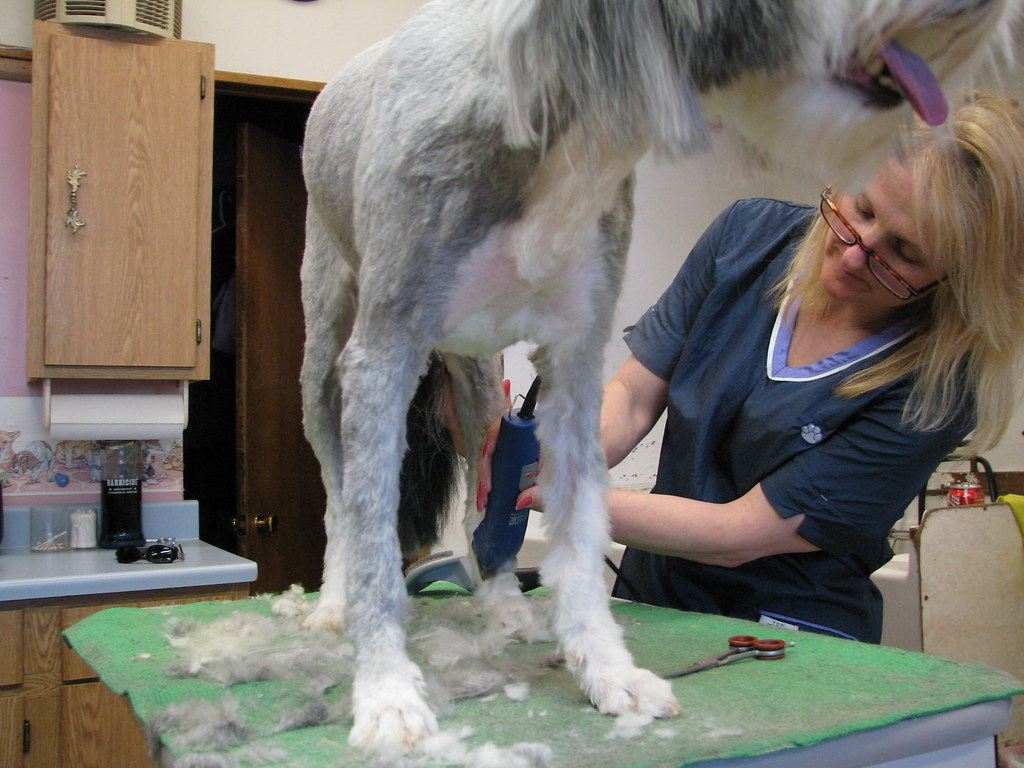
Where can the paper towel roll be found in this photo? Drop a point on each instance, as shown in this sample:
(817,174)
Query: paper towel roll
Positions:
(115,416)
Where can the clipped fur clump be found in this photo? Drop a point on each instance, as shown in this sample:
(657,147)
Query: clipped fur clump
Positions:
(249,756)
(462,653)
(292,604)
(207,761)
(447,748)
(245,647)
(462,649)
(629,726)
(202,726)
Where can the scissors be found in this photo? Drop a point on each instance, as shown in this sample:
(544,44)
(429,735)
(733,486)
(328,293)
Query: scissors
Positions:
(740,647)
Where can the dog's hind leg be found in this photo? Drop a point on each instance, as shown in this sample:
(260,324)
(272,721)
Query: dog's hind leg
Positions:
(574,483)
(478,404)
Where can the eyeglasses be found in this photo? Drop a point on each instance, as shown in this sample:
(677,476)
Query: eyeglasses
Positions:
(888,277)
(156,551)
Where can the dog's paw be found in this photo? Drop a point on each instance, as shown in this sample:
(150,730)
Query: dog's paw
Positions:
(630,690)
(328,615)
(516,619)
(392,715)
(509,612)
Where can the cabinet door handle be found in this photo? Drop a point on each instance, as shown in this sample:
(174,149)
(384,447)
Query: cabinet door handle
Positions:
(72,221)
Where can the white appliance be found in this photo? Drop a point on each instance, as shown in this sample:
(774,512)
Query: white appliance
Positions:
(156,17)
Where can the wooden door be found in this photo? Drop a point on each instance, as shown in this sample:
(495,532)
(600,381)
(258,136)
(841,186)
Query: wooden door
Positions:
(122,146)
(281,496)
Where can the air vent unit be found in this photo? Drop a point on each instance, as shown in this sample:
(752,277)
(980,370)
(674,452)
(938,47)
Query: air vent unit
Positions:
(157,17)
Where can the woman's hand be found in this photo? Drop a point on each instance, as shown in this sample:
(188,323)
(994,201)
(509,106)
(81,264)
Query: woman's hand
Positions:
(530,497)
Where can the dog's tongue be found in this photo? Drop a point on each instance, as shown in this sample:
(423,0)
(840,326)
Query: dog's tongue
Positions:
(917,82)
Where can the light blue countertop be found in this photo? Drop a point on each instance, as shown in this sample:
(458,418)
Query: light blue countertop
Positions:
(28,575)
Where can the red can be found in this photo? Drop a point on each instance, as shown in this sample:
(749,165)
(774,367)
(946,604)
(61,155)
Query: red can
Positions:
(961,494)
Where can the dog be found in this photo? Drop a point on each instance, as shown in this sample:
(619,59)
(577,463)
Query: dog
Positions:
(470,185)
(36,461)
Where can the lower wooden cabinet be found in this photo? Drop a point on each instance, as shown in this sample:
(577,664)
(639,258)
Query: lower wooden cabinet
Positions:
(54,712)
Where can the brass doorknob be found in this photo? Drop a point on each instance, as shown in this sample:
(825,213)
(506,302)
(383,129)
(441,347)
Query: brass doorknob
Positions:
(266,524)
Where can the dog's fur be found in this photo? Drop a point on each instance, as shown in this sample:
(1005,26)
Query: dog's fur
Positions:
(470,183)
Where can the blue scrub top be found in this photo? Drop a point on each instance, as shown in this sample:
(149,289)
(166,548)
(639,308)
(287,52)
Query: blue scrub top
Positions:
(736,416)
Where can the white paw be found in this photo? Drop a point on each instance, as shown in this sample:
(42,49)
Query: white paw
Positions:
(510,613)
(630,690)
(391,716)
(516,619)
(328,614)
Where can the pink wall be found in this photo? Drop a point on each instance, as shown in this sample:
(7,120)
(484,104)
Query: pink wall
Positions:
(21,422)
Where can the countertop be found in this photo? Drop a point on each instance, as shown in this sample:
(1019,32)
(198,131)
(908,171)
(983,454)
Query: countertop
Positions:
(28,575)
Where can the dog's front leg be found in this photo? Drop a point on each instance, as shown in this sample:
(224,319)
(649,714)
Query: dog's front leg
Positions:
(388,704)
(574,482)
(329,304)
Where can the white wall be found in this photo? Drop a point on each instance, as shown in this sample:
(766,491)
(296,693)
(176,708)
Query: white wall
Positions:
(285,38)
(279,38)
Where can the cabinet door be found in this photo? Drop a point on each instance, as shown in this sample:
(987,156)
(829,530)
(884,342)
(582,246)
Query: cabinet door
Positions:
(30,730)
(11,672)
(120,205)
(11,726)
(98,728)
(40,735)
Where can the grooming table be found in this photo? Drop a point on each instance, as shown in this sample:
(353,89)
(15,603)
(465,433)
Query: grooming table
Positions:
(828,702)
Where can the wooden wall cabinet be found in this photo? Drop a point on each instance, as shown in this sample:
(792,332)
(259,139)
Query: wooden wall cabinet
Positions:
(54,712)
(119,265)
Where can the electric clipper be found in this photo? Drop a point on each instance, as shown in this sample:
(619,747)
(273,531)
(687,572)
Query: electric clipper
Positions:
(499,537)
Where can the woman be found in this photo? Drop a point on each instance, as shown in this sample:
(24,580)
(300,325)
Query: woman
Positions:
(816,364)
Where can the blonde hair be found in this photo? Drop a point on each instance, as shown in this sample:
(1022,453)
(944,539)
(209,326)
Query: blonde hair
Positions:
(969,209)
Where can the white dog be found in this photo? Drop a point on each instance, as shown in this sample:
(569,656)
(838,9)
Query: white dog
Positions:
(470,183)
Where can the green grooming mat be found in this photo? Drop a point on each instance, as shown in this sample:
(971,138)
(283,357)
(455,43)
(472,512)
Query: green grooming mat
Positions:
(823,688)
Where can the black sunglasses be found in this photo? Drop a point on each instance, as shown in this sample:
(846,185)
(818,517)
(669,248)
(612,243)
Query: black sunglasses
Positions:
(155,551)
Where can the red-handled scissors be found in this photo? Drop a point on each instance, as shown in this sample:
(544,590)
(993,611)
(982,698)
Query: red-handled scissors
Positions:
(740,647)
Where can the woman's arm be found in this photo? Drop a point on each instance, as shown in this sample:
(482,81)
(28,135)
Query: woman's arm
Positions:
(633,402)
(716,534)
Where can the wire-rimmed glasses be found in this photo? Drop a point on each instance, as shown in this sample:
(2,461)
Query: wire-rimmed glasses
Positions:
(887,277)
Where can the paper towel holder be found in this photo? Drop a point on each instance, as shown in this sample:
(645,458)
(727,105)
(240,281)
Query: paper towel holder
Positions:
(109,426)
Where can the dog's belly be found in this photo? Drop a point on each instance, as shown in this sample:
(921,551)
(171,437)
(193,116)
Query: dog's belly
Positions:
(494,304)
(534,278)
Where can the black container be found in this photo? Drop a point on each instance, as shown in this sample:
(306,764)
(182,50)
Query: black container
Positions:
(121,494)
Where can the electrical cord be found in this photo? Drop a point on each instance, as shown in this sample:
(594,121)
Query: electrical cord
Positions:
(623,580)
